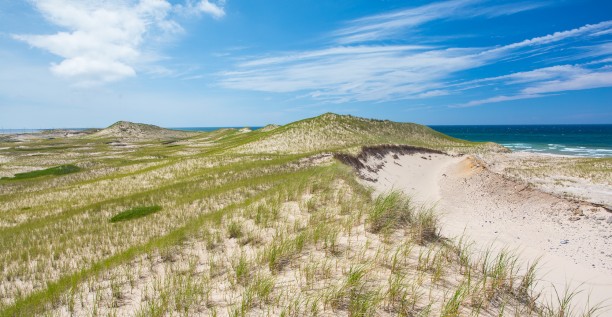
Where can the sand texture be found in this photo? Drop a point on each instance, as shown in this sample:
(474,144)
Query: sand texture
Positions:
(572,239)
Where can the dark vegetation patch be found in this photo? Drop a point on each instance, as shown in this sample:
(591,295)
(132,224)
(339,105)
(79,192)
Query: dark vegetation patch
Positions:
(135,213)
(57,170)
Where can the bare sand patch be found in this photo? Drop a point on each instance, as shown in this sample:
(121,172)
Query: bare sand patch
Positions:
(572,239)
(588,179)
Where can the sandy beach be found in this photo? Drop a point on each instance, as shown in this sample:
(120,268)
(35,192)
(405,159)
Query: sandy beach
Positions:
(570,237)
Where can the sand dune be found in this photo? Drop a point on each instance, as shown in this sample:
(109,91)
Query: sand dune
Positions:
(572,239)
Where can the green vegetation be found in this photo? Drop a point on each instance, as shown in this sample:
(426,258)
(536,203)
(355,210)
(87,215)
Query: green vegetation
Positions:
(390,212)
(129,131)
(253,223)
(332,132)
(135,213)
(394,210)
(57,170)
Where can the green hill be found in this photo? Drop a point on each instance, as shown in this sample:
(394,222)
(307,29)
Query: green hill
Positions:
(335,132)
(140,131)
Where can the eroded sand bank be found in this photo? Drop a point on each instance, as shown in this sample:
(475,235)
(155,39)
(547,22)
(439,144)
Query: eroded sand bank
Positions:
(573,240)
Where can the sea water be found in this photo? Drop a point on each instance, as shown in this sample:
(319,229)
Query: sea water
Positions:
(576,140)
(210,129)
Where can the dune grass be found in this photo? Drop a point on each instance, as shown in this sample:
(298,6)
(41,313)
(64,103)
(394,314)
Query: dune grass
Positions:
(290,234)
(55,171)
(134,213)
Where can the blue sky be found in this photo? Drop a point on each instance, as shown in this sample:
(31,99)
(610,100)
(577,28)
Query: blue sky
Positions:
(85,63)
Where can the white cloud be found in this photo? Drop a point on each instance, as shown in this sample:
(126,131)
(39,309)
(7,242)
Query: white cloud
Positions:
(391,72)
(334,51)
(359,73)
(546,81)
(545,73)
(93,69)
(105,41)
(495,99)
(215,10)
(386,25)
(197,7)
(579,81)
(591,30)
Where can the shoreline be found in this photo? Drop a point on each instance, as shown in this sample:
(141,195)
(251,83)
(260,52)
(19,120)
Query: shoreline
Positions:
(544,152)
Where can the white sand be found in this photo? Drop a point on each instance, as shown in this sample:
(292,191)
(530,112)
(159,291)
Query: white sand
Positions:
(573,240)
(557,182)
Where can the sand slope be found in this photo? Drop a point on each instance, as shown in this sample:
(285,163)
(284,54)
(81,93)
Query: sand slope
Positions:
(573,240)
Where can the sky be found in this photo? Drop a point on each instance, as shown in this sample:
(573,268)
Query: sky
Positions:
(199,63)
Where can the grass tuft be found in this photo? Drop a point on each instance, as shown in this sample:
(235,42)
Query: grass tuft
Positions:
(234,229)
(135,213)
(57,170)
(390,211)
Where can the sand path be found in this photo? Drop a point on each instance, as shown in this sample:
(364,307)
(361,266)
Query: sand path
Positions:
(575,249)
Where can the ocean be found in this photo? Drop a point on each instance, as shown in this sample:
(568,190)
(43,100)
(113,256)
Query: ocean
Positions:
(576,140)
(19,131)
(209,129)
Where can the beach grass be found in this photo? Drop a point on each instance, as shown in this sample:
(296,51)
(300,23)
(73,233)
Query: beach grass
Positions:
(220,224)
(135,213)
(52,171)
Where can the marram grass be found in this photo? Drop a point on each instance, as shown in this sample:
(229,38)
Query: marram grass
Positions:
(257,223)
(135,213)
(57,170)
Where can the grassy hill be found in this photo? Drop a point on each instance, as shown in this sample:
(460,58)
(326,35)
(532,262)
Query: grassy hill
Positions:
(331,131)
(125,130)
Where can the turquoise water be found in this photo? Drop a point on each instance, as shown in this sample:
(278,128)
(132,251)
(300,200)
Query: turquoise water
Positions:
(576,140)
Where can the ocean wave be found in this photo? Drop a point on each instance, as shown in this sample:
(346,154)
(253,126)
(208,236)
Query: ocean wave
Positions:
(578,151)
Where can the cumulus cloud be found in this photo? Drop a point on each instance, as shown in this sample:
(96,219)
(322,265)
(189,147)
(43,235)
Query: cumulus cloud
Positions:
(102,41)
(216,10)
(198,7)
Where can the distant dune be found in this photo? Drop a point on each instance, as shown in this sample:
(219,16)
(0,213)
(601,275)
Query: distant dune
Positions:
(125,130)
